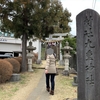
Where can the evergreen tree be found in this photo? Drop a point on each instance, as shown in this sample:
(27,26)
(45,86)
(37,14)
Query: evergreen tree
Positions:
(26,18)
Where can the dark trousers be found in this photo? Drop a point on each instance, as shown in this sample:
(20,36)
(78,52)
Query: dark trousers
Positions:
(50,78)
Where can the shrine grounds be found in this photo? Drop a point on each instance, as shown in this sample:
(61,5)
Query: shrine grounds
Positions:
(22,89)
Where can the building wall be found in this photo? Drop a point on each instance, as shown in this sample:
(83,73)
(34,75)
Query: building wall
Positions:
(10,47)
(8,44)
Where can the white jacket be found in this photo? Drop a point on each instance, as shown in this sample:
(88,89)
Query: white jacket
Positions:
(51,64)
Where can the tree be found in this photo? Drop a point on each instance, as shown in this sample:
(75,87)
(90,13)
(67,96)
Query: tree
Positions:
(72,43)
(26,18)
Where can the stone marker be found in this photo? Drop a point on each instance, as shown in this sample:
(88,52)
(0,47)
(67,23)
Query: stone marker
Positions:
(15,77)
(75,81)
(88,55)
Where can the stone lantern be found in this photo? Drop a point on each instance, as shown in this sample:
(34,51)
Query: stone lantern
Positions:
(67,55)
(30,55)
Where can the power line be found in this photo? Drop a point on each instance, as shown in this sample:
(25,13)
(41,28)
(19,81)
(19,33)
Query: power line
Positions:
(93,4)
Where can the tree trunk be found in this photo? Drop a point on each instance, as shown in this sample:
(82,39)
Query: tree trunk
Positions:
(24,59)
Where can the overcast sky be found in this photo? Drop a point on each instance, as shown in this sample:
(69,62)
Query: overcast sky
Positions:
(76,6)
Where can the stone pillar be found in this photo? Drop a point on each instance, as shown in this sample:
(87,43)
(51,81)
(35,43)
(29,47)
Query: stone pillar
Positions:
(61,60)
(39,52)
(60,52)
(29,56)
(88,55)
(67,64)
(57,45)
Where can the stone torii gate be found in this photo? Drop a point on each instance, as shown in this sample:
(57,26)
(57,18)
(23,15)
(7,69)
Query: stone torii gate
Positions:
(60,37)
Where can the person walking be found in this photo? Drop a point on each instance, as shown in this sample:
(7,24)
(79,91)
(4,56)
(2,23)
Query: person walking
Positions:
(50,71)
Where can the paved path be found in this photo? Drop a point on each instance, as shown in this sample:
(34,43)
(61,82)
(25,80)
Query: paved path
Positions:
(40,93)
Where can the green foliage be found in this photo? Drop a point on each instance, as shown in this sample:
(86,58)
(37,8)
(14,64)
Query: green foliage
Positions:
(72,43)
(43,53)
(34,17)
(26,18)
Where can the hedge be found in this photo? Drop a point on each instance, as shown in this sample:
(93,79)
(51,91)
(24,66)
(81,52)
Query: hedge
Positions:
(15,64)
(6,70)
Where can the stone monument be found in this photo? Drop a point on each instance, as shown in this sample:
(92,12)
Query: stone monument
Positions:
(67,55)
(15,77)
(88,55)
(30,55)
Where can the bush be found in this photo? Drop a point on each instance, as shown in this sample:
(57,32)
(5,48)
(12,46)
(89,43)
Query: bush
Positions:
(34,59)
(15,64)
(19,59)
(36,55)
(6,70)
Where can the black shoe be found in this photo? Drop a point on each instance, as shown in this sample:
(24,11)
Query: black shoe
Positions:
(52,92)
(48,89)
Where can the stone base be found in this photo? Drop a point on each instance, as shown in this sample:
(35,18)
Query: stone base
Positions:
(38,61)
(72,71)
(75,99)
(75,83)
(15,77)
(69,99)
(30,68)
(61,62)
(66,73)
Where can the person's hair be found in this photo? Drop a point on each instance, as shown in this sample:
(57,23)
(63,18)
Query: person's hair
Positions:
(48,46)
(54,55)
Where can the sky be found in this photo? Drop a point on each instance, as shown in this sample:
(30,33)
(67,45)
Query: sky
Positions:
(77,6)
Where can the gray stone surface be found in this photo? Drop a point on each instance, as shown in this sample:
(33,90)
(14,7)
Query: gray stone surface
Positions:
(65,72)
(38,61)
(61,62)
(73,62)
(88,55)
(75,81)
(69,99)
(66,49)
(15,77)
(72,71)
